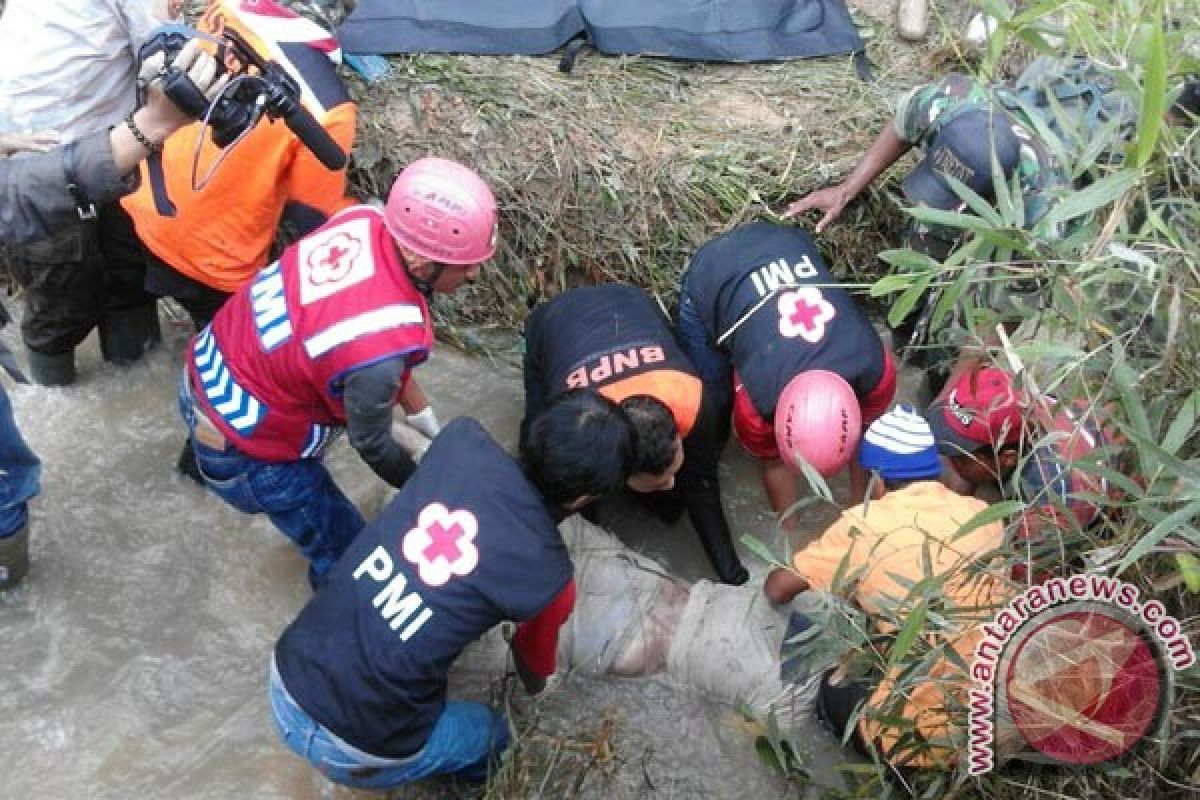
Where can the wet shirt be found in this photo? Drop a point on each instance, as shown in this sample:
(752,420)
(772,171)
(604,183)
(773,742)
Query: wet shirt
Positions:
(611,338)
(443,563)
(767,298)
(220,235)
(925,108)
(270,369)
(884,548)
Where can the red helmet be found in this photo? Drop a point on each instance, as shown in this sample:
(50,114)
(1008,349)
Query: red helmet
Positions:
(818,420)
(443,211)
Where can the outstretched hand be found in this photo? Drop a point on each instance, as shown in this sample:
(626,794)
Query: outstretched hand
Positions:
(832,200)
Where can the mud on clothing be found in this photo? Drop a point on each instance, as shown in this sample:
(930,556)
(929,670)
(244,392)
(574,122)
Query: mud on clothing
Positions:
(611,338)
(449,558)
(269,371)
(72,277)
(221,235)
(768,302)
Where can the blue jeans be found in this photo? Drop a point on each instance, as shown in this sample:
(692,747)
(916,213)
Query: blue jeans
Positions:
(299,496)
(714,366)
(464,739)
(20,471)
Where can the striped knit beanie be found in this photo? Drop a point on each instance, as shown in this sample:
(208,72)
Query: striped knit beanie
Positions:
(900,446)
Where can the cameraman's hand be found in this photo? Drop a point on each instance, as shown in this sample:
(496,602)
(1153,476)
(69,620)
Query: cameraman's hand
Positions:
(159,118)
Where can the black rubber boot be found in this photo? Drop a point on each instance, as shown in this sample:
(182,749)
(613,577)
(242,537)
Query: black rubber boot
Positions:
(128,334)
(187,463)
(51,369)
(14,558)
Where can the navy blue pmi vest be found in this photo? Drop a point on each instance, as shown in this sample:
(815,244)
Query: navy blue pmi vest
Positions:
(767,299)
(467,543)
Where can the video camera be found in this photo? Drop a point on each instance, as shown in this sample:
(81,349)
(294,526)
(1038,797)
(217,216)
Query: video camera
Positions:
(258,87)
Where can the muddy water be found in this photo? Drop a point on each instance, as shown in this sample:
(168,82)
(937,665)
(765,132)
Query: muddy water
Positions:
(135,654)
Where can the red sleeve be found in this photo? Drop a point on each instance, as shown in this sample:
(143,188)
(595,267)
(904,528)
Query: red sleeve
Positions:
(536,640)
(879,399)
(754,433)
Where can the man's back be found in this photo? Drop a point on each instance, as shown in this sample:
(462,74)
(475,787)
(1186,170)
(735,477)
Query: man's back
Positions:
(69,65)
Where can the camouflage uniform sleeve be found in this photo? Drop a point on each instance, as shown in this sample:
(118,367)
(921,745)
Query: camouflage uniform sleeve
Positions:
(912,118)
(918,110)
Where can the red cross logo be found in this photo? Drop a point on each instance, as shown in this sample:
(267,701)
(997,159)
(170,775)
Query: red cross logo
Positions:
(331,261)
(442,544)
(805,312)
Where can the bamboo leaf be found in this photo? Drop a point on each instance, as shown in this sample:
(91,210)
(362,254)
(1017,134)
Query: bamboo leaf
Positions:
(908,634)
(910,260)
(982,208)
(1189,568)
(1184,424)
(949,219)
(1167,525)
(993,513)
(1100,194)
(756,546)
(1154,93)
(908,300)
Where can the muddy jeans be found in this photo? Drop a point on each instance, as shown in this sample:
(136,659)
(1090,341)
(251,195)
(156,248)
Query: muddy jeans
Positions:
(465,738)
(71,278)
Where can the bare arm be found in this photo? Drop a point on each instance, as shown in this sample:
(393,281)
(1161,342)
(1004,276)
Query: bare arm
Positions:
(883,152)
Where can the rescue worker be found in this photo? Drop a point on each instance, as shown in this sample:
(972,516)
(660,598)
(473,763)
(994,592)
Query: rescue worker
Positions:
(758,308)
(358,681)
(615,340)
(960,125)
(324,340)
(979,424)
(70,67)
(221,231)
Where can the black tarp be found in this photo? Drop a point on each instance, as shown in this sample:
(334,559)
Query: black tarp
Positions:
(710,30)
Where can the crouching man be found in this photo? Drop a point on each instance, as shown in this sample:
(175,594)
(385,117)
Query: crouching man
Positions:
(358,680)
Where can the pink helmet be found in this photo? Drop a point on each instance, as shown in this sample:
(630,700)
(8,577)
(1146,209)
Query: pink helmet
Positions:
(818,420)
(443,211)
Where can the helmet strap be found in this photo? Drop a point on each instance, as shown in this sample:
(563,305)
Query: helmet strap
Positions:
(425,285)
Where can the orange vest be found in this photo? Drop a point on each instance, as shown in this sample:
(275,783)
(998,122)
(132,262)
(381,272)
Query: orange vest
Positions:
(221,234)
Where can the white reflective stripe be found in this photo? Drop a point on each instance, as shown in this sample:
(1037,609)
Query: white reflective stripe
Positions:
(381,319)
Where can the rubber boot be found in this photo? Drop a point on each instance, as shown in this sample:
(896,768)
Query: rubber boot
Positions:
(14,557)
(187,463)
(128,334)
(51,369)
(912,19)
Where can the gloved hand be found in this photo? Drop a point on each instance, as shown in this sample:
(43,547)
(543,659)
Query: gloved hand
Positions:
(201,69)
(424,421)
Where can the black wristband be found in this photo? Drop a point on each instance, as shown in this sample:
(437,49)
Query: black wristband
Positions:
(142,138)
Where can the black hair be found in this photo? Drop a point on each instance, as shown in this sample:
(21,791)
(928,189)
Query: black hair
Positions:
(582,444)
(656,432)
(1187,105)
